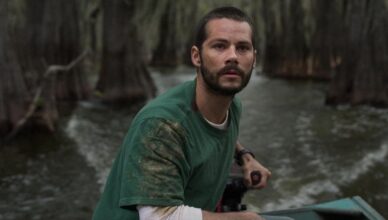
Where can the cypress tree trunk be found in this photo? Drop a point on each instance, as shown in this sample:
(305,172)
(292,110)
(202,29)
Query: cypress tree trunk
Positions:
(54,38)
(273,57)
(123,77)
(327,21)
(191,28)
(257,18)
(362,75)
(14,94)
(166,53)
(285,48)
(175,33)
(295,51)
(43,34)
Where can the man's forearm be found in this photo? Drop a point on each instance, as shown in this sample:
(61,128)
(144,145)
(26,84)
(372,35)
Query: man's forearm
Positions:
(239,146)
(249,164)
(230,216)
(190,213)
(246,157)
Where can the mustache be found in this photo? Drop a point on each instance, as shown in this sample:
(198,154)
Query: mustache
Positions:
(231,67)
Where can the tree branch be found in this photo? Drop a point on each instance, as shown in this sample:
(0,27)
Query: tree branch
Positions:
(32,107)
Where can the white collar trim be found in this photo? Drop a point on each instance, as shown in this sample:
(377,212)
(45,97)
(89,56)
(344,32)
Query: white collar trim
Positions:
(221,126)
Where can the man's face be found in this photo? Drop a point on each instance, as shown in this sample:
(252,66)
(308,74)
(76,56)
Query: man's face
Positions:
(227,56)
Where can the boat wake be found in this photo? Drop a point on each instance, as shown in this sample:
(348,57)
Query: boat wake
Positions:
(305,196)
(98,133)
(364,165)
(330,187)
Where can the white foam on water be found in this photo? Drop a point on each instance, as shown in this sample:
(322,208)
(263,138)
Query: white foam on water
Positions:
(364,165)
(93,150)
(305,196)
(305,134)
(309,192)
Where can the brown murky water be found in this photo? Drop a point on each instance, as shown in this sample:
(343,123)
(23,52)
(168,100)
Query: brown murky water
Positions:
(316,153)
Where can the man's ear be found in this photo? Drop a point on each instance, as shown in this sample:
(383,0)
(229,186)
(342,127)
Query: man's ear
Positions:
(255,57)
(195,56)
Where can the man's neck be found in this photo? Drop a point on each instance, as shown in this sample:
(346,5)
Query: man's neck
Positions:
(212,106)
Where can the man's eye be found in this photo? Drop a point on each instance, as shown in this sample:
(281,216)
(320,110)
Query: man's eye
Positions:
(243,48)
(219,46)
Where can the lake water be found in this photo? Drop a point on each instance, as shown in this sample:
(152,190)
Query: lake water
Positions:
(316,153)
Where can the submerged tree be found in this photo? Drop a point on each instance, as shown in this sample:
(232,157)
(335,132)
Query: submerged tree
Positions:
(53,38)
(14,95)
(37,37)
(123,76)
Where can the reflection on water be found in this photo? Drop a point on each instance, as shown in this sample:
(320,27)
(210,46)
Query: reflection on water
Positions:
(316,153)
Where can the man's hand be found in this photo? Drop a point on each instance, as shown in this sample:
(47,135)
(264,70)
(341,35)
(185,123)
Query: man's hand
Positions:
(250,165)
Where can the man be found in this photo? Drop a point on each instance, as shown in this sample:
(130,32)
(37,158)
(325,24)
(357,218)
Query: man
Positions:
(176,157)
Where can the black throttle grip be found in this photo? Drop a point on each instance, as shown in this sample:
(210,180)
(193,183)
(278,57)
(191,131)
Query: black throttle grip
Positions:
(255,177)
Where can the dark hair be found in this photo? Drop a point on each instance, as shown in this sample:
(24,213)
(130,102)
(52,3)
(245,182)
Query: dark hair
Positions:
(222,12)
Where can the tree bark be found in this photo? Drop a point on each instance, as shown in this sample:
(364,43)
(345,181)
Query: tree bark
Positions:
(14,93)
(362,75)
(123,77)
(189,38)
(257,18)
(285,48)
(327,22)
(54,38)
(42,34)
(35,102)
(166,53)
(273,48)
(295,51)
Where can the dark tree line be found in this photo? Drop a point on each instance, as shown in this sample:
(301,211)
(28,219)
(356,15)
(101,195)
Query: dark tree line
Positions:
(43,46)
(341,41)
(39,43)
(362,76)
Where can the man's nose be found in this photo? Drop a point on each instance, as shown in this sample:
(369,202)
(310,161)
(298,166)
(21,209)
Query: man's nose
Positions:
(231,55)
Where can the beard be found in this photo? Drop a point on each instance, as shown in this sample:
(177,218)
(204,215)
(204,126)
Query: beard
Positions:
(212,79)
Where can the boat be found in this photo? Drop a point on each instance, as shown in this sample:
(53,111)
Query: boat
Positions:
(353,208)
